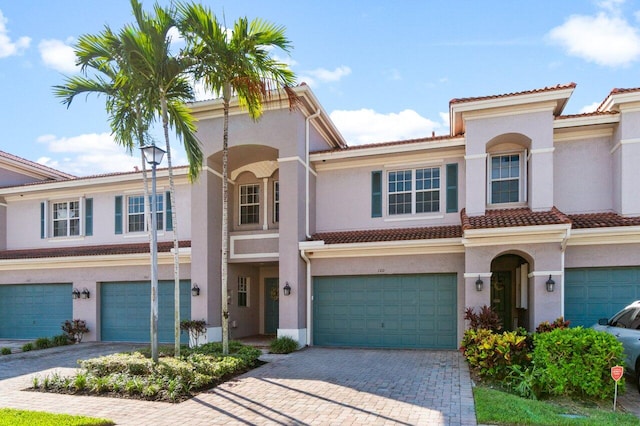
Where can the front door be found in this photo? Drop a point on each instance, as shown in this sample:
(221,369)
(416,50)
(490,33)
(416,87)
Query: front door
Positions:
(271,306)
(501,297)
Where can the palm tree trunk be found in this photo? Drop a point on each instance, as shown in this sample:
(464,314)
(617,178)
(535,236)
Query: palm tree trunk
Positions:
(225,223)
(176,248)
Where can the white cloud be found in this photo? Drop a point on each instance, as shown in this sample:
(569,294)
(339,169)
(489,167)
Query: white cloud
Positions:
(367,126)
(589,108)
(323,75)
(58,55)
(8,47)
(87,154)
(606,39)
(444,116)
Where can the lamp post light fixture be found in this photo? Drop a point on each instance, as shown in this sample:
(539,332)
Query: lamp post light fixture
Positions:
(195,290)
(75,293)
(550,284)
(286,289)
(85,294)
(153,156)
(479,284)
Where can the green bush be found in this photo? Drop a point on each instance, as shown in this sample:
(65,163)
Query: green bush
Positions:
(545,326)
(27,347)
(5,351)
(491,354)
(577,361)
(283,345)
(60,340)
(134,364)
(43,343)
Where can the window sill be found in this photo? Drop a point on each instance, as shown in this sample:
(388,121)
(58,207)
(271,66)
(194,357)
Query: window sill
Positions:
(141,234)
(506,206)
(402,218)
(65,239)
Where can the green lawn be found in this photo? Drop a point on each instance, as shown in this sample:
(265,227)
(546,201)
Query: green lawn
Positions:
(500,408)
(10,417)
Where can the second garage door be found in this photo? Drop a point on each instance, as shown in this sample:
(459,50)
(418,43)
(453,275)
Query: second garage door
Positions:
(393,311)
(125,311)
(593,293)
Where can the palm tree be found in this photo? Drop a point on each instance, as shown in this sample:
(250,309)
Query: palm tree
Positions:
(235,62)
(162,76)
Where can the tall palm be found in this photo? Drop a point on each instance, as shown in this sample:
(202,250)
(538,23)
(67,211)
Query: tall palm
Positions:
(235,63)
(148,49)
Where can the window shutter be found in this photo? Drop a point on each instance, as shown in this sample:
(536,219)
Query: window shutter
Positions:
(118,219)
(169,214)
(88,217)
(376,194)
(42,220)
(452,188)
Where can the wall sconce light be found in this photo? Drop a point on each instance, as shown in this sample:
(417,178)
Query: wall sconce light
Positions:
(75,293)
(550,284)
(195,290)
(287,289)
(85,293)
(479,284)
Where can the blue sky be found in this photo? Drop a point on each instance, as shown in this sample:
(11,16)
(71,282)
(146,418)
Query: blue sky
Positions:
(384,70)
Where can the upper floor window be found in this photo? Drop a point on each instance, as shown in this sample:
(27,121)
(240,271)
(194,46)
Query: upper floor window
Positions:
(414,191)
(249,204)
(135,212)
(66,218)
(507,175)
(276,202)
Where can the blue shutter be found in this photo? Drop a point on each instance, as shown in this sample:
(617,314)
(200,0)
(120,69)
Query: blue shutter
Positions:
(168,211)
(118,218)
(88,217)
(376,194)
(42,220)
(452,188)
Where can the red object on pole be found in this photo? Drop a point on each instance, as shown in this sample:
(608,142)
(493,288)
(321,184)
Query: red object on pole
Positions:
(617,372)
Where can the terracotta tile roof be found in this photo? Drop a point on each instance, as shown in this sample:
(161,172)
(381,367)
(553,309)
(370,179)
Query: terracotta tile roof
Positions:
(615,91)
(389,143)
(587,114)
(35,165)
(101,250)
(505,218)
(505,95)
(601,220)
(380,235)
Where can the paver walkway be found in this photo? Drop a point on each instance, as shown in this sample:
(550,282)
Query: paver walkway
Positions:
(315,386)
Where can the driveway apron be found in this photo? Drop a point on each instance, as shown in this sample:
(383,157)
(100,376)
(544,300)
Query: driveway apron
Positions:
(315,386)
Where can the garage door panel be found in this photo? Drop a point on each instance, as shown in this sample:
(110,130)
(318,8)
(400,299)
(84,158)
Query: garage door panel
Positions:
(398,311)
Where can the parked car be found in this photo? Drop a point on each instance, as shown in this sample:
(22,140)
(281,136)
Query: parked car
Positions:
(625,326)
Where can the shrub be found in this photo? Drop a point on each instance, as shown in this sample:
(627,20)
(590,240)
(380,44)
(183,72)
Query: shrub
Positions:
(283,345)
(5,351)
(43,343)
(491,354)
(75,329)
(577,361)
(60,340)
(545,327)
(195,328)
(134,364)
(27,347)
(486,319)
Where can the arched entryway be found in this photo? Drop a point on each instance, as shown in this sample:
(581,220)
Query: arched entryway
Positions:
(510,290)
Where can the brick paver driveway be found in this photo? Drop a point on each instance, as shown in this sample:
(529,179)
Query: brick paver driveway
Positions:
(315,386)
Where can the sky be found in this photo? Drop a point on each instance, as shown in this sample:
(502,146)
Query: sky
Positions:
(383,70)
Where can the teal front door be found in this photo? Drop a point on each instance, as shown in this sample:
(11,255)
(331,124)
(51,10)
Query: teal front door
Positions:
(386,311)
(271,306)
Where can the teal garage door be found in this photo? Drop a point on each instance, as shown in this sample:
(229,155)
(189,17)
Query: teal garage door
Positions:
(125,311)
(393,311)
(593,293)
(29,311)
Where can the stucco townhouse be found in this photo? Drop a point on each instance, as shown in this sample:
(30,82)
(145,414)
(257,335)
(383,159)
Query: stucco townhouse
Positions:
(520,208)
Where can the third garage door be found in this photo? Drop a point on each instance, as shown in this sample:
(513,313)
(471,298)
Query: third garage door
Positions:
(392,311)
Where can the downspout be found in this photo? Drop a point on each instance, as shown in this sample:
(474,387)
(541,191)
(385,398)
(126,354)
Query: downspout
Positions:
(563,248)
(306,161)
(309,296)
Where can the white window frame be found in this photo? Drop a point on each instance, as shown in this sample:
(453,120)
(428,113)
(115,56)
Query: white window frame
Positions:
(522,179)
(243,288)
(162,213)
(241,204)
(276,201)
(414,191)
(51,221)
